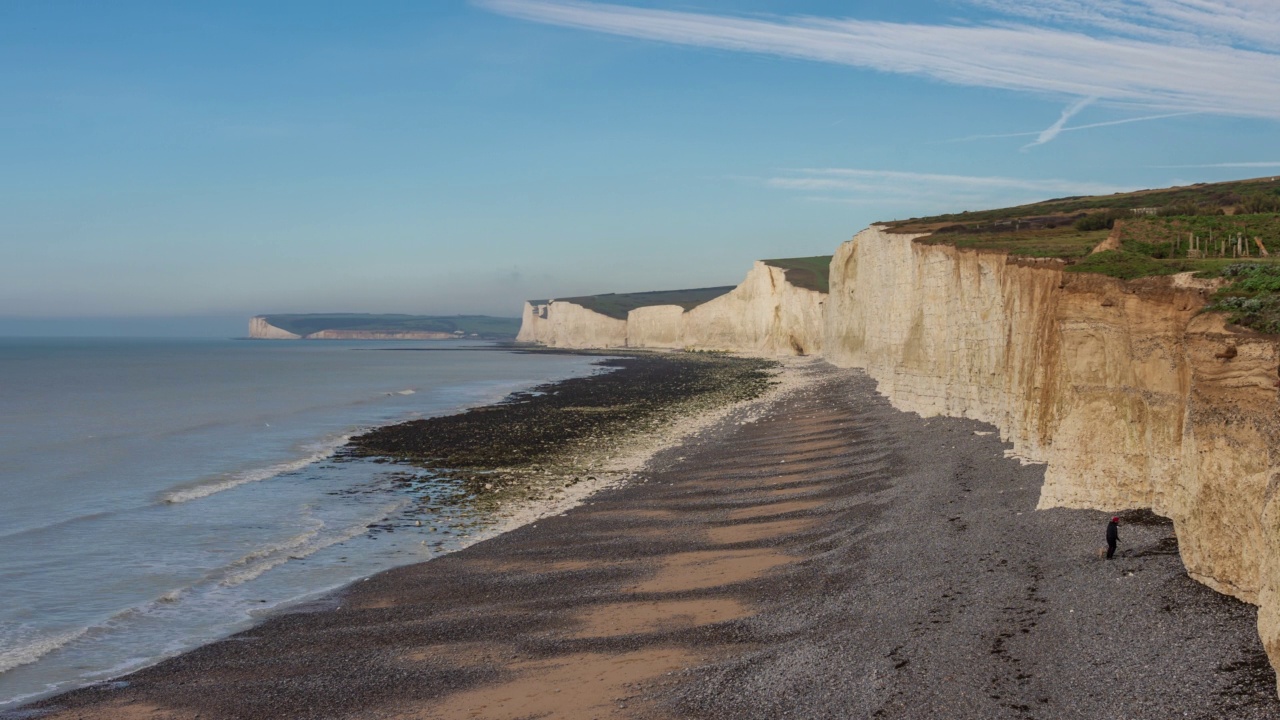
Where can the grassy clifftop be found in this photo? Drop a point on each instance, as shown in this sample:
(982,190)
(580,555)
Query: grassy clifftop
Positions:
(1229,230)
(1156,223)
(810,273)
(1244,195)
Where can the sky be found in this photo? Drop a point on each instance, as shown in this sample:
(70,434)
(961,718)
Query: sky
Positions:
(163,160)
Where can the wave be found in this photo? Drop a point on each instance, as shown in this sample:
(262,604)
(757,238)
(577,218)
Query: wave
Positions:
(227,482)
(33,650)
(258,561)
(308,543)
(250,566)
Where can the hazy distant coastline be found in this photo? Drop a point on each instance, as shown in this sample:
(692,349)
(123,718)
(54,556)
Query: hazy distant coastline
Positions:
(363,326)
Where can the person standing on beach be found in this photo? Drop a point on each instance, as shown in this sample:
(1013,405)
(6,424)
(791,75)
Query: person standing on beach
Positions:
(1113,536)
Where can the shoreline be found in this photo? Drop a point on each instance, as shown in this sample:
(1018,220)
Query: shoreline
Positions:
(558,442)
(466,522)
(819,555)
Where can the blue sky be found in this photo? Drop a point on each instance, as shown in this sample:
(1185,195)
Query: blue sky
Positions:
(225,159)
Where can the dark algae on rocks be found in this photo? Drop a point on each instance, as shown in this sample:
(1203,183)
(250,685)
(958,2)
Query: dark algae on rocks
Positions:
(557,433)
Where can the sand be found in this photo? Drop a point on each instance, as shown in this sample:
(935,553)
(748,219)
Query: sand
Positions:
(816,555)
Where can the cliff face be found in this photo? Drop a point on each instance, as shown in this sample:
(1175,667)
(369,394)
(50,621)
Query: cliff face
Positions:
(1131,398)
(1084,372)
(656,326)
(568,325)
(533,323)
(763,315)
(260,329)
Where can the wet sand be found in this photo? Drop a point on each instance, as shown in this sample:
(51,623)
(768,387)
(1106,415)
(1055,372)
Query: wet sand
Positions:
(830,558)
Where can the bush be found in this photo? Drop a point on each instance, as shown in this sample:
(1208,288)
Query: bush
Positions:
(1259,203)
(1186,208)
(1253,298)
(1096,221)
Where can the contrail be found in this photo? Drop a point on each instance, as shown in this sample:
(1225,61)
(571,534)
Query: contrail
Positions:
(1107,123)
(1055,129)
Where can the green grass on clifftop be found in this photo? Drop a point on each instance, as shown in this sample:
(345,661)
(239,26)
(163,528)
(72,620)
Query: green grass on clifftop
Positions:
(1252,295)
(809,273)
(1213,230)
(1033,242)
(617,305)
(1240,194)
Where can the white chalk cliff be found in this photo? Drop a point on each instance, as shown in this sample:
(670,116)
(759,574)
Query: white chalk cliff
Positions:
(260,329)
(557,323)
(765,315)
(1133,398)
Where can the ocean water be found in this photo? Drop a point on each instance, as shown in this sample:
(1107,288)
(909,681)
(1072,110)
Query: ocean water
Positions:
(159,494)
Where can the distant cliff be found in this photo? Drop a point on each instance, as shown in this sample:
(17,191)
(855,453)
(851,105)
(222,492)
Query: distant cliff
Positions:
(354,326)
(776,310)
(261,329)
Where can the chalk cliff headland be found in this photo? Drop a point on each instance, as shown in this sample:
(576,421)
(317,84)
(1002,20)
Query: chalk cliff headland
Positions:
(358,326)
(1126,387)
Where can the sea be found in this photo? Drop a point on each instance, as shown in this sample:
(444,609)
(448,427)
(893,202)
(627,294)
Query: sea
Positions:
(158,494)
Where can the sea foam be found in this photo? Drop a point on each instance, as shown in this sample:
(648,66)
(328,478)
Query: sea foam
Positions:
(222,483)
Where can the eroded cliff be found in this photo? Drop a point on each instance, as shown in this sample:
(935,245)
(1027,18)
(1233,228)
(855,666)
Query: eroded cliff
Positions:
(1131,396)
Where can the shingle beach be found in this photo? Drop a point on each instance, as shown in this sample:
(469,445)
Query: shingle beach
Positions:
(813,554)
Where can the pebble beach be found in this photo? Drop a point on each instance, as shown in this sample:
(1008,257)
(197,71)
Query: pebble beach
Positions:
(798,548)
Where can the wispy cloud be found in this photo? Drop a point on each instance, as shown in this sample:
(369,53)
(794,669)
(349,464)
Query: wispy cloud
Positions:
(1079,48)
(1051,132)
(925,192)
(1090,126)
(1245,23)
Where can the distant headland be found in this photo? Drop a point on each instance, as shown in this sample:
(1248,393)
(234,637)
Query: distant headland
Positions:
(364,326)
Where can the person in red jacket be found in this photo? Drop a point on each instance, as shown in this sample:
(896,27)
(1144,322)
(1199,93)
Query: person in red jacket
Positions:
(1113,536)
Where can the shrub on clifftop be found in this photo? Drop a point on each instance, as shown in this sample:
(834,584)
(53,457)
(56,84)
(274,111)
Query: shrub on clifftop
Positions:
(1253,297)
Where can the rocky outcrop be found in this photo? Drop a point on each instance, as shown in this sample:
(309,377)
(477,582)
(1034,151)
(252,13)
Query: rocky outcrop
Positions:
(260,329)
(764,315)
(1132,397)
